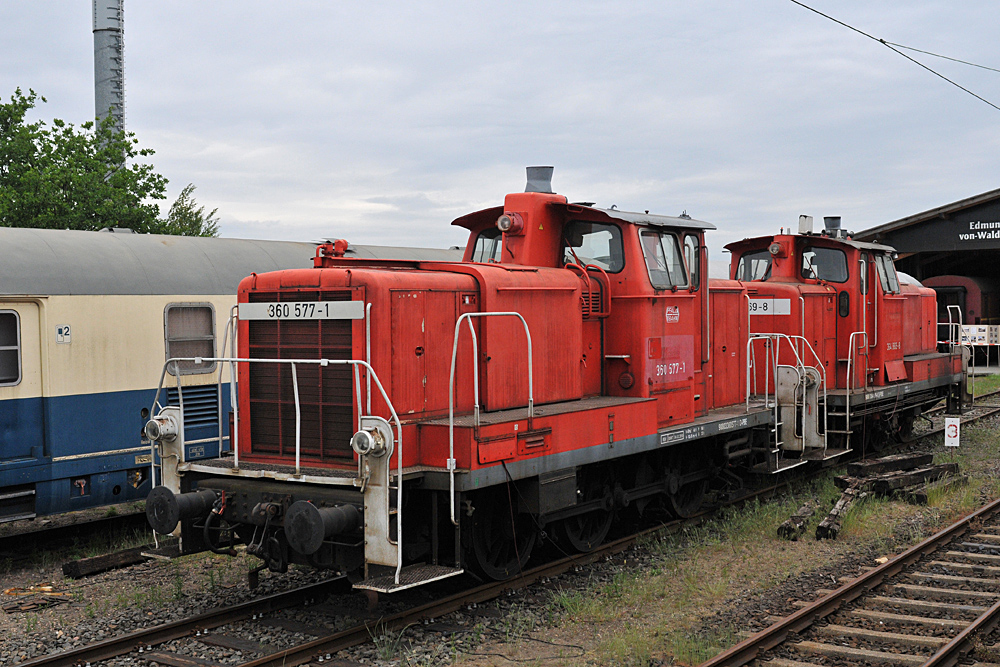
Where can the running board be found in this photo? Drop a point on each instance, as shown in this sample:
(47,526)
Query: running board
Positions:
(782,466)
(409,577)
(824,454)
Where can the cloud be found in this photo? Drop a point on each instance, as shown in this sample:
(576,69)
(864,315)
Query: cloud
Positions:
(383,122)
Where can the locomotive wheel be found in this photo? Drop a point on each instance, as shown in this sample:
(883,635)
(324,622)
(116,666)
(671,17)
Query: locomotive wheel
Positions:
(585,532)
(684,500)
(688,498)
(500,548)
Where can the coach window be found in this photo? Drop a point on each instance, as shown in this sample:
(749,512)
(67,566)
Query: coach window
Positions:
(827,264)
(887,274)
(693,258)
(189,330)
(593,243)
(489,245)
(10,348)
(754,265)
(664,261)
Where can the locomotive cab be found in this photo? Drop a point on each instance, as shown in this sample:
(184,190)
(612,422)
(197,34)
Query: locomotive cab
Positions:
(839,307)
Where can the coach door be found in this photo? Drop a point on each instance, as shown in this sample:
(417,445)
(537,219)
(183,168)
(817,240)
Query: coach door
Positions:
(21,416)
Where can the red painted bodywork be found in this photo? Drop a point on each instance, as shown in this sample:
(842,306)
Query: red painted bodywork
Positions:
(889,326)
(593,333)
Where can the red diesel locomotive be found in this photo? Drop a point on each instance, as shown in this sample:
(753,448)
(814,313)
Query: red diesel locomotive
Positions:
(403,421)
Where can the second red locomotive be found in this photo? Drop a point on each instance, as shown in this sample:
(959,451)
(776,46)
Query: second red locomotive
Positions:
(408,420)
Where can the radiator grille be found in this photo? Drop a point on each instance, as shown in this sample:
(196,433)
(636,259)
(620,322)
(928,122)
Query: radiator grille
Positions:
(201,405)
(325,394)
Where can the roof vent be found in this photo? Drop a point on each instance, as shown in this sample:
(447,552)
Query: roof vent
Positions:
(805,224)
(539,179)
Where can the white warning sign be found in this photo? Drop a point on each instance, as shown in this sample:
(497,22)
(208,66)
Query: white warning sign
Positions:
(952,429)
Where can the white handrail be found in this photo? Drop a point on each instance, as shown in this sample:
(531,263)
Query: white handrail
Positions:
(851,354)
(234,400)
(475,381)
(298,418)
(774,340)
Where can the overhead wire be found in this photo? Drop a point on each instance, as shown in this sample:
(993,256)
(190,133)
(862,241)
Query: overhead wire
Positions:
(938,55)
(896,49)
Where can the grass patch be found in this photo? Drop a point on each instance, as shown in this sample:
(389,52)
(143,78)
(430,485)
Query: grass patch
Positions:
(658,611)
(983,384)
(693,648)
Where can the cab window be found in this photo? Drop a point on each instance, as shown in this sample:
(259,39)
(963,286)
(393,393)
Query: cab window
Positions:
(887,274)
(664,261)
(755,265)
(828,264)
(10,348)
(593,243)
(489,245)
(693,259)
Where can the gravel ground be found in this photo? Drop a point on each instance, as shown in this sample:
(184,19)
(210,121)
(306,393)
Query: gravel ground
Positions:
(522,625)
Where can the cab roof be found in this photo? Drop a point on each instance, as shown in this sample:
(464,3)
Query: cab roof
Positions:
(488,216)
(860,245)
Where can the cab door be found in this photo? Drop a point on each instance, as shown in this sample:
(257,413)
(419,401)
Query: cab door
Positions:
(22,433)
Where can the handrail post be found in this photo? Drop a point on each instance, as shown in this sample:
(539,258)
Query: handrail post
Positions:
(298,422)
(451,463)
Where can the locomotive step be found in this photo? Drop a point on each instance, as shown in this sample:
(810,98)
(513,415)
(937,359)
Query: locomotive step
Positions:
(409,577)
(823,454)
(782,466)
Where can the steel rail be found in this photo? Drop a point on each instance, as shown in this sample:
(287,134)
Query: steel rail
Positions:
(766,639)
(117,646)
(298,655)
(18,544)
(958,648)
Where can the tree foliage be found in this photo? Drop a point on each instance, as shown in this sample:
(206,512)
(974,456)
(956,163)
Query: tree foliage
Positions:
(61,176)
(187,218)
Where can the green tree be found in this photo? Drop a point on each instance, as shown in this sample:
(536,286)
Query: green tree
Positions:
(187,218)
(67,177)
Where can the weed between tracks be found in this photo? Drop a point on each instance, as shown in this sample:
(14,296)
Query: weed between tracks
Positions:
(682,598)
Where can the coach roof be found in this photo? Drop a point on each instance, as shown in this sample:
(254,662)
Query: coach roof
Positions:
(47,261)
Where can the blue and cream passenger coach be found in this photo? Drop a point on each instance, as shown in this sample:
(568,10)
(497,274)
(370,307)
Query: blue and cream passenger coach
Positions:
(87,320)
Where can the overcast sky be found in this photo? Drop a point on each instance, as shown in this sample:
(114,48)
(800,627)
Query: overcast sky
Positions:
(382,122)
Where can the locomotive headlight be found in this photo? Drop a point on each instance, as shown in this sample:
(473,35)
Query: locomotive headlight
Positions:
(774,248)
(510,223)
(161,427)
(368,442)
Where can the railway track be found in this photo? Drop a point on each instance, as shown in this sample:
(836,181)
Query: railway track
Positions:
(21,544)
(178,644)
(933,605)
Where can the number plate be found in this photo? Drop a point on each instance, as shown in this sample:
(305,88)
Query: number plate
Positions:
(770,307)
(303,310)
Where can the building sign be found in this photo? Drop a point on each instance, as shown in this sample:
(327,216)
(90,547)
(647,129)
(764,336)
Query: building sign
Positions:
(980,230)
